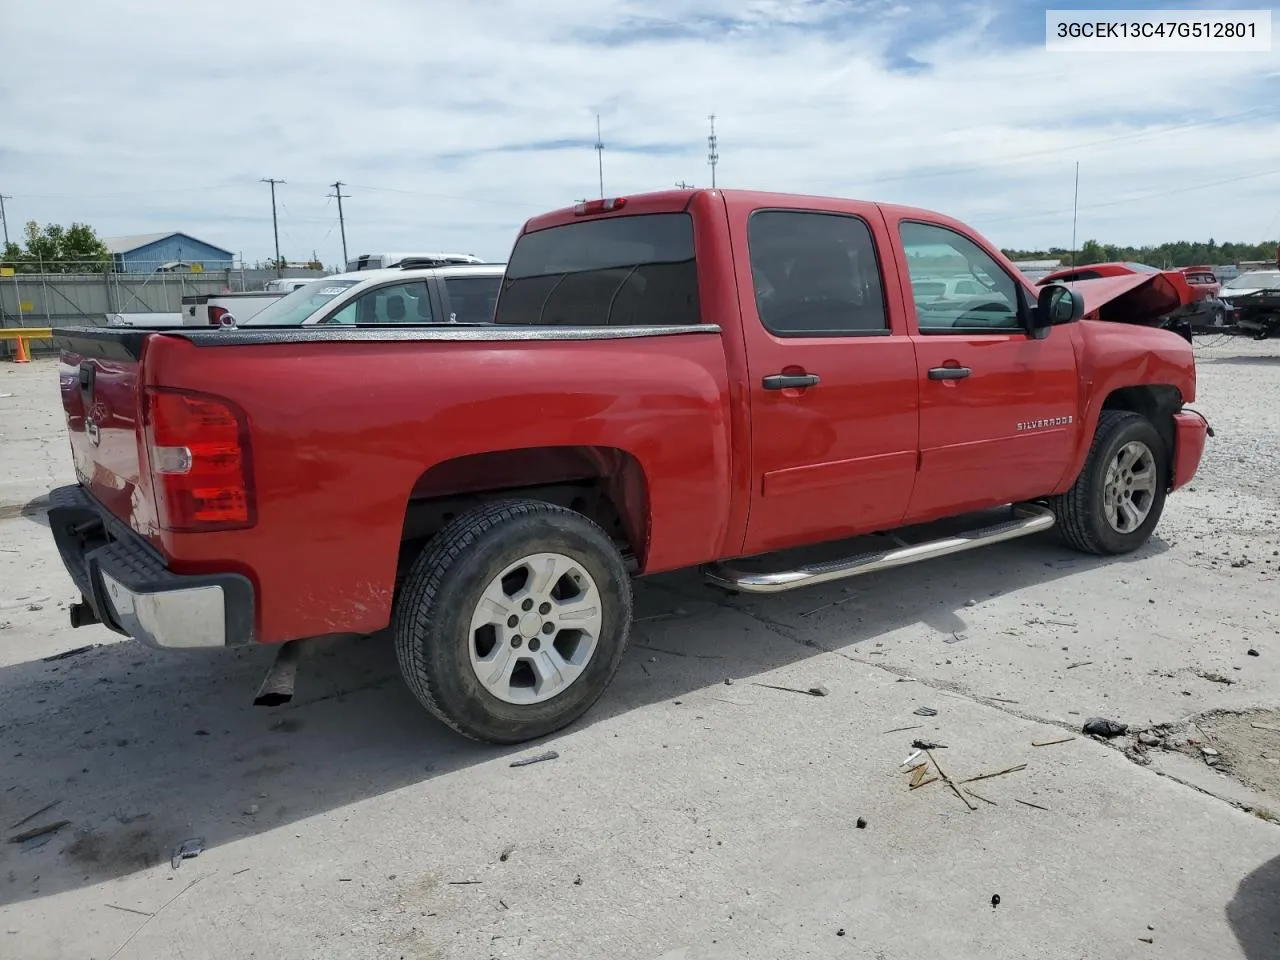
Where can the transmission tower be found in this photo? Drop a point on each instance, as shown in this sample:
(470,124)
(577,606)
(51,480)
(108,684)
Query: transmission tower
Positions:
(600,155)
(713,153)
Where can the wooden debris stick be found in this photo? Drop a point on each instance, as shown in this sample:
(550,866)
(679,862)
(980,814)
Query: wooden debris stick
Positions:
(39,831)
(924,783)
(918,726)
(1027,803)
(918,774)
(1050,743)
(141,913)
(999,773)
(1082,663)
(983,799)
(947,780)
(45,809)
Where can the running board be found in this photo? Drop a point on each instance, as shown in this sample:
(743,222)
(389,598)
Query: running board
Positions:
(1028,518)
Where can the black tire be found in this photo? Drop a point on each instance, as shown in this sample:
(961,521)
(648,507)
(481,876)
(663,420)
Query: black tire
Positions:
(432,619)
(1082,520)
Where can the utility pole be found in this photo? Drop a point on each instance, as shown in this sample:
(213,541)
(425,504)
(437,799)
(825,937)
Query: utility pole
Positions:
(1075,205)
(600,155)
(680,184)
(342,226)
(713,154)
(275,225)
(3,219)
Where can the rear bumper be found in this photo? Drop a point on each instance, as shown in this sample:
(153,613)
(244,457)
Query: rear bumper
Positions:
(1190,431)
(128,588)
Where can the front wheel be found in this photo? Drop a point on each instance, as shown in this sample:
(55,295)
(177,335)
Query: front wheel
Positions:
(1117,500)
(514,620)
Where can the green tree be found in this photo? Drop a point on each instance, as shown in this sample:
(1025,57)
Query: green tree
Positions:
(1168,256)
(57,249)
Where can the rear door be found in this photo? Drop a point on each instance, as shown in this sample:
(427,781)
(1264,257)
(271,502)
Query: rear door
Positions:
(999,411)
(832,375)
(468,298)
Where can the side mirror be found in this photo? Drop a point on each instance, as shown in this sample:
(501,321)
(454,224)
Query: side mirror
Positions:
(1056,305)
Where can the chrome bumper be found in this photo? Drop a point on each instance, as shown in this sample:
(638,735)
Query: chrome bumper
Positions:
(127,587)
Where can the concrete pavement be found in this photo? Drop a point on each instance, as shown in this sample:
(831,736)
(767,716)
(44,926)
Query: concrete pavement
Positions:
(685,817)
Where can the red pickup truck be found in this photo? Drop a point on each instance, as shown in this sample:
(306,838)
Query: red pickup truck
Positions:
(671,380)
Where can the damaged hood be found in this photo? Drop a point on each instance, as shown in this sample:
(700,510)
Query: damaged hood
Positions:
(1142,298)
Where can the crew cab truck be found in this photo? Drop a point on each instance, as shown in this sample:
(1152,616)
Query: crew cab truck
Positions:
(682,379)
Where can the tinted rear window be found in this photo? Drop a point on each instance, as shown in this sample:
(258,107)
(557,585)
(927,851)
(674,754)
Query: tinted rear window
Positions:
(621,271)
(472,299)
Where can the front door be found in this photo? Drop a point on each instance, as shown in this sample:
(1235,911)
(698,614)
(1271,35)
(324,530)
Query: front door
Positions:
(833,384)
(999,413)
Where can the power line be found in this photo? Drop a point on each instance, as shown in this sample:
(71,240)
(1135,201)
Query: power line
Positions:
(1123,200)
(337,192)
(275,224)
(1017,158)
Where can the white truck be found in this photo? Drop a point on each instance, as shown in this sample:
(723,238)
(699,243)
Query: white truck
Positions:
(225,309)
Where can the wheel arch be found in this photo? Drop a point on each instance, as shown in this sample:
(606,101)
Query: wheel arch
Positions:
(608,485)
(1157,402)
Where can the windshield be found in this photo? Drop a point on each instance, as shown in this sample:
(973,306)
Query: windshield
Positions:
(1141,268)
(1255,281)
(293,308)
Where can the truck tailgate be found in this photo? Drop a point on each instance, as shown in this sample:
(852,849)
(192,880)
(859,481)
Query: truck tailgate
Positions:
(98,377)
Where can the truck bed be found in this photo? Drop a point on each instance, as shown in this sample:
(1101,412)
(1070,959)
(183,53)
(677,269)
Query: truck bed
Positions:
(347,427)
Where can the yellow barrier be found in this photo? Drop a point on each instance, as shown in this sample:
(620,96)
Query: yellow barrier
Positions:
(26,333)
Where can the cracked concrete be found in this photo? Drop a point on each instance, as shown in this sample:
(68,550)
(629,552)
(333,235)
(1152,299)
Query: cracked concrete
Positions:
(686,816)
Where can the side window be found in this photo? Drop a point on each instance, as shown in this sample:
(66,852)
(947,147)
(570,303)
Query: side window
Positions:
(956,285)
(815,274)
(400,303)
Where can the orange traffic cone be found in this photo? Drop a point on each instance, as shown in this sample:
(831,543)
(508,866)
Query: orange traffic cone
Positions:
(23,356)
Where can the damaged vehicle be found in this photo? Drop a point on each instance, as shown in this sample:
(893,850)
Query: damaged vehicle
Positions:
(694,379)
(1253,303)
(1197,307)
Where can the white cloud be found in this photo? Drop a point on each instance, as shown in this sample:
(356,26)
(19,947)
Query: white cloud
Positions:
(137,117)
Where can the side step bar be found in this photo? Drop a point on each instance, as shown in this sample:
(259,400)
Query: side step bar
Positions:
(1028,518)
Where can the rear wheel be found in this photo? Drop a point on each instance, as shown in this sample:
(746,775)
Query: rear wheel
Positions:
(513,620)
(1119,496)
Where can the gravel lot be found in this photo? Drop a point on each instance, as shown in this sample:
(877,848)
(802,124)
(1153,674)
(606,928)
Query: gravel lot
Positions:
(686,817)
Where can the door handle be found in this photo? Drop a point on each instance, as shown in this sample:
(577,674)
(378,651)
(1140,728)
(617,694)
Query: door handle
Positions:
(781,381)
(949,373)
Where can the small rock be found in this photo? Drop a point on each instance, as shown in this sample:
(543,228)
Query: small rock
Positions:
(971,603)
(1209,751)
(995,900)
(728,682)
(925,712)
(862,823)
(840,932)
(252,809)
(1254,653)
(36,607)
(818,690)
(1148,739)
(1102,727)
(1242,562)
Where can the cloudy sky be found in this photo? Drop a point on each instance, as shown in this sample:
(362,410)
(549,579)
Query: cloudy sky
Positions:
(452,122)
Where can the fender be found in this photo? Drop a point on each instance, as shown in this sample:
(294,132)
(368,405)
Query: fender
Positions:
(1148,370)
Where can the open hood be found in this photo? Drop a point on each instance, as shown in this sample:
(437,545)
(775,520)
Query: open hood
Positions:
(1141,298)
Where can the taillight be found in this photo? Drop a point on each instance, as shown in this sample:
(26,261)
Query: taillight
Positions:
(216,314)
(199,451)
(599,206)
